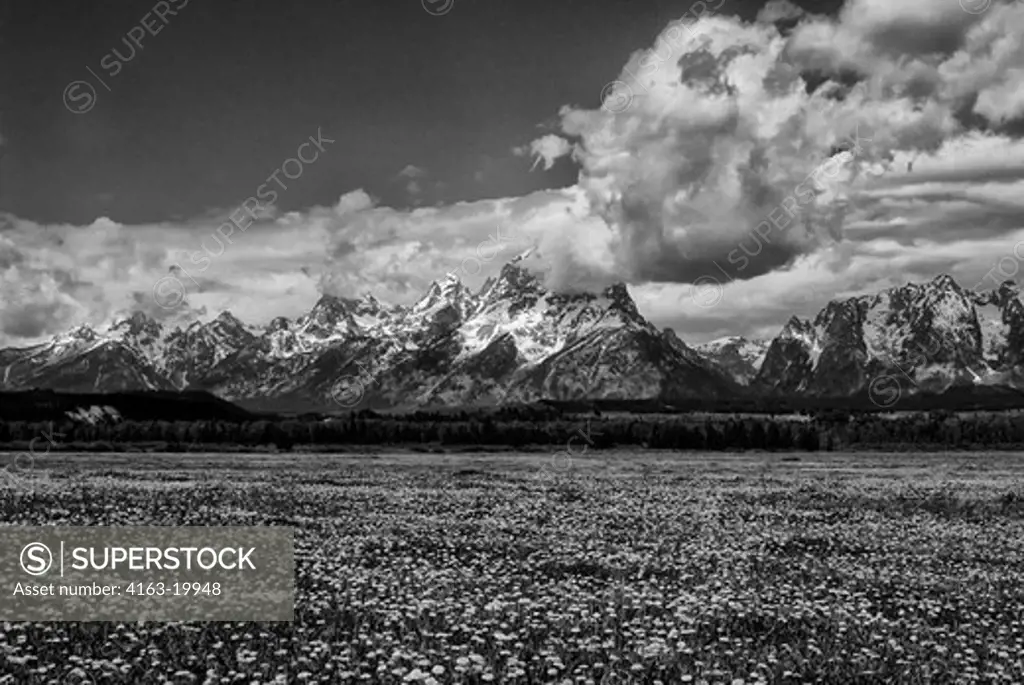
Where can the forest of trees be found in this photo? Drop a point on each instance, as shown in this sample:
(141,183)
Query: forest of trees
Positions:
(832,430)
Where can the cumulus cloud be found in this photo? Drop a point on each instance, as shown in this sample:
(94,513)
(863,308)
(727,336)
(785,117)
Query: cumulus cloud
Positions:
(61,276)
(354,201)
(730,149)
(58,276)
(959,211)
(790,159)
(395,254)
(905,29)
(547,149)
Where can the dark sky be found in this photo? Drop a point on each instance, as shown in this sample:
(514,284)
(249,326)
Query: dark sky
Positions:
(227,90)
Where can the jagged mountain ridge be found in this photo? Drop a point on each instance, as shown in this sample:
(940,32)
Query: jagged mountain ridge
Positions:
(930,337)
(515,341)
(511,341)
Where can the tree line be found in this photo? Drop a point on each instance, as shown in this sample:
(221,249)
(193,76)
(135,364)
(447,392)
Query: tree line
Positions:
(833,430)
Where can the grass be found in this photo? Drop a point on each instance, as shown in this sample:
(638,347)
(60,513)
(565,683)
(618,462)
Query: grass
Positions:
(628,568)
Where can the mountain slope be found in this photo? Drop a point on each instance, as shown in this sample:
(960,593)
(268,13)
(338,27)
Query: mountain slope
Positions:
(931,336)
(737,356)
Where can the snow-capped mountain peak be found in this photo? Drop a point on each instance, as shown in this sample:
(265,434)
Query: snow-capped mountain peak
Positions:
(84,333)
(447,302)
(936,333)
(515,284)
(739,357)
(330,318)
(368,305)
(448,289)
(227,325)
(77,339)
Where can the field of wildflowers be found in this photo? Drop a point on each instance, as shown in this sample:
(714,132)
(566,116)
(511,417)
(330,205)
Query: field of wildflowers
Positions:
(650,567)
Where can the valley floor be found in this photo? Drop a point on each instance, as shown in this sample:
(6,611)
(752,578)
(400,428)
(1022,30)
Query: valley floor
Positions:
(614,567)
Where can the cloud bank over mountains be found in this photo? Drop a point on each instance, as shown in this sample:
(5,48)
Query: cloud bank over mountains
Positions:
(788,160)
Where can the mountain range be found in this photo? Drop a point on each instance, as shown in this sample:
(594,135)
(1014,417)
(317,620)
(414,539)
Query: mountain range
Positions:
(929,337)
(515,341)
(512,341)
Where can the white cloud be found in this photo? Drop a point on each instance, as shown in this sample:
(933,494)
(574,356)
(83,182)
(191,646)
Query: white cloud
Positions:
(713,132)
(354,201)
(58,276)
(695,150)
(547,149)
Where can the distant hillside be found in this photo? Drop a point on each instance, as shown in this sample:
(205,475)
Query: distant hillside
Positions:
(47,405)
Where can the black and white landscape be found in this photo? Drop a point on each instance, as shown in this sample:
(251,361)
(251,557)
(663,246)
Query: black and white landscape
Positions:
(514,341)
(580,343)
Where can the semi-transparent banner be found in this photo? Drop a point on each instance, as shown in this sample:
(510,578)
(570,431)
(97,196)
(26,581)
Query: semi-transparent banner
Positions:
(146,573)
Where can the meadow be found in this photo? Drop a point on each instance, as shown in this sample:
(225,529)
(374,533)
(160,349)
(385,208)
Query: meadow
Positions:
(623,567)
